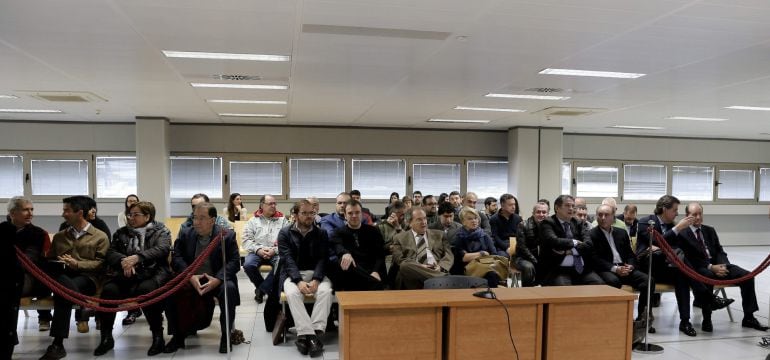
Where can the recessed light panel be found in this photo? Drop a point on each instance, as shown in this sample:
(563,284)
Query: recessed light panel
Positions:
(487,109)
(8,97)
(31,111)
(459,121)
(240,86)
(252,115)
(694,118)
(631,127)
(753,108)
(530,97)
(259,102)
(224,56)
(591,73)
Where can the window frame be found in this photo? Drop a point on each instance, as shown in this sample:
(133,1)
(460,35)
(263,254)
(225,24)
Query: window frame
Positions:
(467,162)
(349,176)
(90,177)
(221,197)
(345,175)
(598,163)
(254,199)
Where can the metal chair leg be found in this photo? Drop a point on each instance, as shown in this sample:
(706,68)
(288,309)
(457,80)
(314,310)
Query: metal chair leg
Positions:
(729,312)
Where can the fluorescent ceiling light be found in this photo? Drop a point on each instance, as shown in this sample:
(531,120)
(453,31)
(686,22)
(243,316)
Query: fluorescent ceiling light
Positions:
(694,118)
(240,86)
(36,111)
(636,127)
(531,97)
(262,102)
(224,56)
(487,109)
(459,121)
(755,108)
(253,115)
(8,97)
(592,73)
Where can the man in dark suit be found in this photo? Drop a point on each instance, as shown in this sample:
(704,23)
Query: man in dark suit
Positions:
(446,222)
(566,247)
(192,307)
(361,253)
(629,218)
(420,253)
(613,258)
(705,254)
(666,211)
(505,225)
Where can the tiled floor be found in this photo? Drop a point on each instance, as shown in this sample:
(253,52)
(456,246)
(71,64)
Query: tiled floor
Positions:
(728,341)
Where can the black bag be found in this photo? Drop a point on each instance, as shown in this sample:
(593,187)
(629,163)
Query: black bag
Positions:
(279,329)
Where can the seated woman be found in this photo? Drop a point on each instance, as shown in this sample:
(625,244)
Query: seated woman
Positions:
(235,209)
(471,242)
(393,198)
(138,257)
(123,221)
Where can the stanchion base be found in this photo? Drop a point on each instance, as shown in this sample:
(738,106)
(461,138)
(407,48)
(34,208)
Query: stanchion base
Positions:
(647,348)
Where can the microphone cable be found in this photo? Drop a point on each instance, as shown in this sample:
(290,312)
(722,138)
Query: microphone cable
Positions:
(508,321)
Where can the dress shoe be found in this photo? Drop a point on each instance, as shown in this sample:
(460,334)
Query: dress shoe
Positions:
(315,346)
(259,296)
(752,322)
(302,344)
(173,345)
(686,328)
(82,326)
(157,345)
(131,317)
(54,352)
(106,344)
(655,299)
(44,325)
(706,325)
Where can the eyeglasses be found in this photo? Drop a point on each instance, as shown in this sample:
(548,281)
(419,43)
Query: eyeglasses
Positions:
(202,218)
(307,213)
(133,215)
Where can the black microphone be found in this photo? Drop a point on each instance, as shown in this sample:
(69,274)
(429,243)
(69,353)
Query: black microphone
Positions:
(485,294)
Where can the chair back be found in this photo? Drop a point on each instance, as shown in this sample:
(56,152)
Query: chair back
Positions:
(173,224)
(238,227)
(455,282)
(512,246)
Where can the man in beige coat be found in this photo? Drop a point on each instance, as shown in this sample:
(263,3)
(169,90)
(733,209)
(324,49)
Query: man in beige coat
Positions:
(420,253)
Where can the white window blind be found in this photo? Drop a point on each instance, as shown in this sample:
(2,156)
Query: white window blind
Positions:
(192,175)
(115,177)
(764,184)
(59,177)
(597,181)
(692,183)
(376,179)
(256,177)
(566,178)
(644,182)
(436,178)
(736,184)
(11,176)
(323,178)
(487,178)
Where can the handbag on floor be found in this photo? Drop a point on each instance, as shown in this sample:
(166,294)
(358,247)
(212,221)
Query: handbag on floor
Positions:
(279,328)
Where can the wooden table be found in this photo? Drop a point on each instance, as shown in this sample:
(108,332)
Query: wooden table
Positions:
(546,323)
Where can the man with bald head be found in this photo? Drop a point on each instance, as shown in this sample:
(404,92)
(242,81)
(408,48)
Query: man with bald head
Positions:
(614,206)
(704,252)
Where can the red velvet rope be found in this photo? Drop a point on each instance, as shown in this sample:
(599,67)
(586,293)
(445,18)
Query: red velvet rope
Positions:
(140,301)
(687,270)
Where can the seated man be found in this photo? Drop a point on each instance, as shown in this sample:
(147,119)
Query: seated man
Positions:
(394,224)
(505,225)
(565,251)
(336,220)
(304,248)
(470,200)
(9,299)
(77,255)
(446,222)
(199,199)
(260,237)
(361,253)
(614,260)
(702,249)
(192,307)
(430,206)
(365,213)
(34,242)
(490,206)
(629,219)
(420,254)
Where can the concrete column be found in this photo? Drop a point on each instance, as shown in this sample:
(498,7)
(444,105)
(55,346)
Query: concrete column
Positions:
(153,167)
(534,164)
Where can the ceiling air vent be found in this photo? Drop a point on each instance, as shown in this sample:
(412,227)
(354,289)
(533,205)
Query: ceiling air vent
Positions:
(236,77)
(568,111)
(65,96)
(547,90)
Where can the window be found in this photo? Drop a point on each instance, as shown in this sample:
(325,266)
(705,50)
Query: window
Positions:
(256,177)
(376,179)
(487,178)
(436,178)
(11,176)
(692,183)
(566,178)
(59,177)
(192,175)
(764,184)
(322,178)
(597,181)
(644,182)
(115,177)
(736,184)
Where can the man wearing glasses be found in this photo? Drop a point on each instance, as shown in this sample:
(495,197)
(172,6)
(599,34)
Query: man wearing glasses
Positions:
(260,236)
(330,223)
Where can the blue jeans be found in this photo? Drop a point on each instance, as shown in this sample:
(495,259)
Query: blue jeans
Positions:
(251,267)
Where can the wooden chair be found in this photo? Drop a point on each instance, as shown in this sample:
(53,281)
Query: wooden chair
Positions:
(173,224)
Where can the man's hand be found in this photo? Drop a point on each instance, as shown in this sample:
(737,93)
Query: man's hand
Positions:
(684,223)
(375,275)
(346,261)
(195,281)
(720,270)
(212,284)
(304,287)
(393,220)
(623,270)
(68,260)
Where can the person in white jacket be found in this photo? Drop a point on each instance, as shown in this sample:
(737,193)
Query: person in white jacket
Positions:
(260,239)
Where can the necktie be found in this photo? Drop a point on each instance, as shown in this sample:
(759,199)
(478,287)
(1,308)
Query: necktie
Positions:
(577,259)
(702,243)
(422,253)
(567,230)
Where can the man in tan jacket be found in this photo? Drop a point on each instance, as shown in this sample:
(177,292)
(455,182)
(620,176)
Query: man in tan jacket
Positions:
(420,253)
(76,258)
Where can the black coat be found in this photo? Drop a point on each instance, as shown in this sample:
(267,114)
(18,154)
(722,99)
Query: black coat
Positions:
(9,300)
(153,256)
(554,244)
(289,239)
(368,250)
(690,245)
(602,252)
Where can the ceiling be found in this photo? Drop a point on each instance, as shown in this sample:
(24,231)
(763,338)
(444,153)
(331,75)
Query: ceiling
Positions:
(396,63)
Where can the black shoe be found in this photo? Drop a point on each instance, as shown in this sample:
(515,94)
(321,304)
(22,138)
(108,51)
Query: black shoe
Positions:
(752,322)
(54,352)
(302,344)
(687,328)
(223,345)
(258,295)
(655,299)
(173,345)
(651,330)
(315,346)
(720,303)
(131,317)
(106,344)
(157,345)
(706,325)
